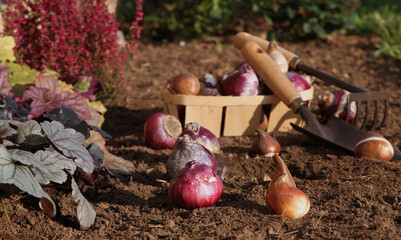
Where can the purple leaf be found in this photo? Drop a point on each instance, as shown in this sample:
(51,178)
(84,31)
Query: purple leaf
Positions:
(77,103)
(49,82)
(45,100)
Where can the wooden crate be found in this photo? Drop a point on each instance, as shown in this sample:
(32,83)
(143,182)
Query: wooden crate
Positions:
(232,115)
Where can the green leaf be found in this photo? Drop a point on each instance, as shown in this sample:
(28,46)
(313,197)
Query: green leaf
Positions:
(319,30)
(291,12)
(21,74)
(83,85)
(306,27)
(70,142)
(85,212)
(22,177)
(7,44)
(216,13)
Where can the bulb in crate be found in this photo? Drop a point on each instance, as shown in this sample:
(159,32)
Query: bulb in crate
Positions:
(334,104)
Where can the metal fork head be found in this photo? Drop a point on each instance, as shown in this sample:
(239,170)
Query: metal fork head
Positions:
(371,109)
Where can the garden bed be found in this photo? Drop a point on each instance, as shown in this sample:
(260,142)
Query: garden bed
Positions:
(351,198)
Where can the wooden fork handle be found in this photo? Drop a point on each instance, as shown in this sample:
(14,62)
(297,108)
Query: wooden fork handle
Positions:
(242,37)
(271,75)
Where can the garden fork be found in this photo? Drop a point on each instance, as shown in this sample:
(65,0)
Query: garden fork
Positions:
(366,119)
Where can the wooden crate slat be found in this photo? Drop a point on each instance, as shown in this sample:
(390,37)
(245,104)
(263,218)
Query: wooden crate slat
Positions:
(243,113)
(208,117)
(241,120)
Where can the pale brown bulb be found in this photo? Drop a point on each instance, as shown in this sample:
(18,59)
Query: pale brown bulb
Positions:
(374,147)
(277,56)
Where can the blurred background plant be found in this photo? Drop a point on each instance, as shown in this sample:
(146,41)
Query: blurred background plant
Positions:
(77,39)
(382,18)
(283,20)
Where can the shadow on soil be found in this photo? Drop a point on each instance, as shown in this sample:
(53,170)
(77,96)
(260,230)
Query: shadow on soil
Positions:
(121,121)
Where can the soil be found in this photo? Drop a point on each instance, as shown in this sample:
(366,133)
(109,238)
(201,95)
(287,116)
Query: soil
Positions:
(351,198)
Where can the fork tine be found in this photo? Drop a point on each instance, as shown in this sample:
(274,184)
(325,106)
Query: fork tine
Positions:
(375,115)
(358,106)
(366,115)
(384,114)
(347,114)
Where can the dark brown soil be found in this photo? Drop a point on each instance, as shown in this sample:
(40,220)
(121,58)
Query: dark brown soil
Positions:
(351,198)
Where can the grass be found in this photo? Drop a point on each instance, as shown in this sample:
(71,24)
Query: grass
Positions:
(5,211)
(382,18)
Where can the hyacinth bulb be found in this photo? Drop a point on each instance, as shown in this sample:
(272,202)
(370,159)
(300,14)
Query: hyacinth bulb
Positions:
(243,67)
(203,136)
(241,83)
(334,104)
(162,130)
(186,150)
(277,57)
(300,82)
(196,186)
(208,91)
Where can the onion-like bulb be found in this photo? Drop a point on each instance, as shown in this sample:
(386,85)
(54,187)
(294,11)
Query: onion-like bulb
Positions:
(277,56)
(283,197)
(186,150)
(265,144)
(300,82)
(334,104)
(241,83)
(203,136)
(196,186)
(185,83)
(162,130)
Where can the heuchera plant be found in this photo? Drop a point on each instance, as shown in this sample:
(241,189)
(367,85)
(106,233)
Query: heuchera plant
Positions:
(47,150)
(71,37)
(44,137)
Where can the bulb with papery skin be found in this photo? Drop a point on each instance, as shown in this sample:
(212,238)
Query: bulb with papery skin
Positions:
(208,91)
(265,144)
(243,67)
(334,104)
(283,197)
(277,57)
(374,147)
(186,150)
(222,165)
(203,136)
(185,83)
(196,186)
(162,130)
(241,84)
(298,81)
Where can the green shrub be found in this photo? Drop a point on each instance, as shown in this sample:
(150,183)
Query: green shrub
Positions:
(283,19)
(383,20)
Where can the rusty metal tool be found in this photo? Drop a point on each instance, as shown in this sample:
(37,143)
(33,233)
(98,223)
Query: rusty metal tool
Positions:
(363,98)
(335,131)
